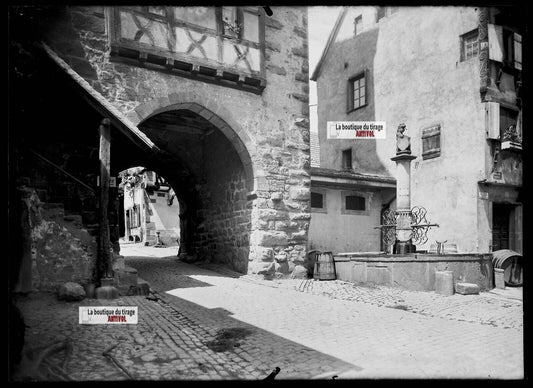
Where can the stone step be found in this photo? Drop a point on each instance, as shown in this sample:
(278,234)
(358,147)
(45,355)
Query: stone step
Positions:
(126,277)
(467,288)
(53,210)
(143,288)
(74,218)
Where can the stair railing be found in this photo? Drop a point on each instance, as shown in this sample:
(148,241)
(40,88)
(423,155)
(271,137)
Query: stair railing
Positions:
(63,171)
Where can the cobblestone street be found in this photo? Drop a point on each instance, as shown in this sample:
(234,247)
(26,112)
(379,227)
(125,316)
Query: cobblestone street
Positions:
(210,323)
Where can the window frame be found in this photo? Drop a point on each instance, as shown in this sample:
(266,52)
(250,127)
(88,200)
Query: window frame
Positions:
(464,54)
(352,193)
(323,193)
(347,166)
(513,117)
(351,90)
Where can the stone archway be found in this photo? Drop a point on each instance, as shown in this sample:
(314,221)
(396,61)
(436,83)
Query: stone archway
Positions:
(215,198)
(216,114)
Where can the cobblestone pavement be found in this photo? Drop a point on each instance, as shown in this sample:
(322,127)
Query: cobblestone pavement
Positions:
(487,308)
(202,324)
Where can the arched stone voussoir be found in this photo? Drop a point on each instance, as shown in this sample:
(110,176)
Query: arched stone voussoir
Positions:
(215,112)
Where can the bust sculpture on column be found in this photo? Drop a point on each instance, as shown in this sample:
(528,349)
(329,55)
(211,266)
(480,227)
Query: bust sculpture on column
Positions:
(403,160)
(403,142)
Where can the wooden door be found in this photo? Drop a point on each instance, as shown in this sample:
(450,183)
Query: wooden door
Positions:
(501,217)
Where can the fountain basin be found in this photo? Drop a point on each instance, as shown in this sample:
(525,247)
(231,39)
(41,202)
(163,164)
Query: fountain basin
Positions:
(415,271)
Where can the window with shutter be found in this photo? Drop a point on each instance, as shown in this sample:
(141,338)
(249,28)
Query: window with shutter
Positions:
(517,51)
(496,47)
(505,46)
(431,142)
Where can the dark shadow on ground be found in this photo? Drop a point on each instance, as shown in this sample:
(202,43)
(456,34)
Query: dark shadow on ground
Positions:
(270,349)
(248,352)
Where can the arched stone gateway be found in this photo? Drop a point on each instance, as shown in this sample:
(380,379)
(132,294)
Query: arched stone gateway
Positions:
(231,211)
(240,141)
(233,129)
(213,179)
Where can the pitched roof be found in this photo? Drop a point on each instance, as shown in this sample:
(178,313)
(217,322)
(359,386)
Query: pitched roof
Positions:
(331,39)
(96,99)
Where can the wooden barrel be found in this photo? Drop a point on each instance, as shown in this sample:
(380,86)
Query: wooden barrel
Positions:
(312,257)
(325,267)
(511,262)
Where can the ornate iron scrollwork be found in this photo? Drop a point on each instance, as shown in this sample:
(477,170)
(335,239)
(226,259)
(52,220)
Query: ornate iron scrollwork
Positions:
(419,224)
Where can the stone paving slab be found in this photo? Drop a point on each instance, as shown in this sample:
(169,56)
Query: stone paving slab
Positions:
(293,324)
(488,308)
(384,342)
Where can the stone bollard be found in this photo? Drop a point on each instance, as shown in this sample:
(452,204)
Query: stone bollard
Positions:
(499,280)
(444,283)
(107,290)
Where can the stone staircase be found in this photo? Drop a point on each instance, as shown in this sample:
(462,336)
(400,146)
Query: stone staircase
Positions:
(71,207)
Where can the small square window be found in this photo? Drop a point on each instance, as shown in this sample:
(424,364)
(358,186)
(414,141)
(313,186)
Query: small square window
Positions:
(354,202)
(431,142)
(357,92)
(317,200)
(469,45)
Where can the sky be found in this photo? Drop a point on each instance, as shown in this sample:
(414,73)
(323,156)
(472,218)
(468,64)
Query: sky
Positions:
(320,23)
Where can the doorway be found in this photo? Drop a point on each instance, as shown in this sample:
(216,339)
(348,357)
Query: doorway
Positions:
(501,226)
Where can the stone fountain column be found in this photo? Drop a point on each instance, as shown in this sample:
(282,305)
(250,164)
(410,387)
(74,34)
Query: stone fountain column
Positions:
(403,160)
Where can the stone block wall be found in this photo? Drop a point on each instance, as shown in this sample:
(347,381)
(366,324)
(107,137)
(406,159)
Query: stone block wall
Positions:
(61,249)
(224,234)
(269,131)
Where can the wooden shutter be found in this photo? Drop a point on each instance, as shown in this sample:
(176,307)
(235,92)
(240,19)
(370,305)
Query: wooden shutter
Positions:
(492,120)
(517,51)
(496,47)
